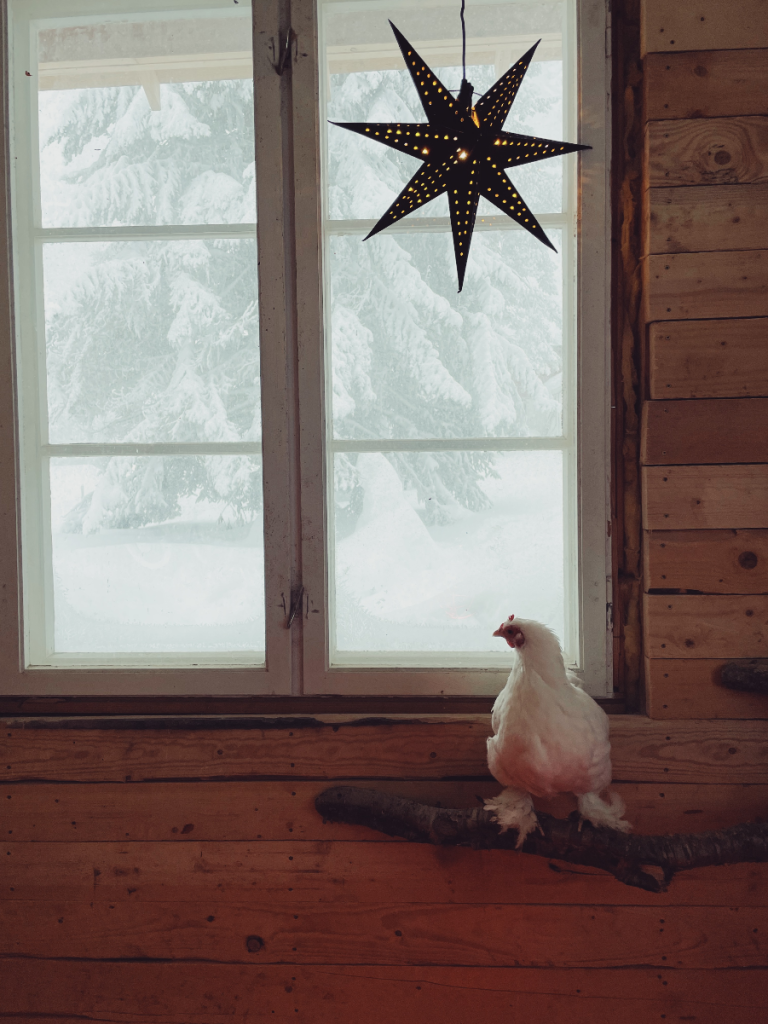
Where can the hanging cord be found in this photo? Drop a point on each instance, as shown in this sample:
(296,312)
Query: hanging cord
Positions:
(466,92)
(464,99)
(463,42)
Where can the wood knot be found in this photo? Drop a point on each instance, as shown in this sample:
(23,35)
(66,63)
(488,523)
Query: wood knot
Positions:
(722,157)
(700,71)
(254,943)
(747,559)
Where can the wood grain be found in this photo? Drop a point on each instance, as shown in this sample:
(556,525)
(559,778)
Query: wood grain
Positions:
(704,430)
(354,872)
(706,218)
(640,752)
(699,285)
(712,561)
(708,358)
(684,687)
(48,991)
(481,935)
(706,626)
(705,497)
(706,151)
(331,873)
(693,751)
(705,83)
(703,25)
(364,748)
(182,813)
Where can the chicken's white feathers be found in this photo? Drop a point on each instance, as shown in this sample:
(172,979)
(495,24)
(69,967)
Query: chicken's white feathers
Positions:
(549,735)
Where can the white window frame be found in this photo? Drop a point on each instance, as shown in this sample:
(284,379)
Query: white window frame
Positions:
(293,359)
(590,544)
(39,671)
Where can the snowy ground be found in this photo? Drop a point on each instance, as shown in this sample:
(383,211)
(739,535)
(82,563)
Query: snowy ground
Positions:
(191,584)
(403,586)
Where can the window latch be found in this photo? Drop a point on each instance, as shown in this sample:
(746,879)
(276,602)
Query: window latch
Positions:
(297,600)
(283,60)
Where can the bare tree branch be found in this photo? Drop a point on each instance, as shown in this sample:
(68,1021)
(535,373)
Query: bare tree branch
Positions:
(624,856)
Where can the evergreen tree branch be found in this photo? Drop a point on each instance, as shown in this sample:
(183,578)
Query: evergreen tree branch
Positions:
(623,856)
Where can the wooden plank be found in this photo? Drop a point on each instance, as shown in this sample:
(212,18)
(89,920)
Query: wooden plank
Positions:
(700,285)
(97,755)
(431,748)
(226,811)
(706,217)
(703,25)
(708,358)
(706,626)
(684,687)
(48,991)
(705,83)
(705,497)
(343,872)
(712,561)
(480,935)
(693,751)
(704,430)
(706,151)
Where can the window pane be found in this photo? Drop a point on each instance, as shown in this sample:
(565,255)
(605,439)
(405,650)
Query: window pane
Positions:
(152,341)
(366,81)
(434,550)
(157,554)
(147,121)
(413,358)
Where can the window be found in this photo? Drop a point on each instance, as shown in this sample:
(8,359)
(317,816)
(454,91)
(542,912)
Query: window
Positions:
(227,424)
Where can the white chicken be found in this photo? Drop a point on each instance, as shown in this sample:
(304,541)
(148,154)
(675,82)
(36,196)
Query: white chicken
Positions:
(549,736)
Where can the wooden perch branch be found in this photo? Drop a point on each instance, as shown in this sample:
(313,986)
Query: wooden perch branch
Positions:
(624,856)
(751,676)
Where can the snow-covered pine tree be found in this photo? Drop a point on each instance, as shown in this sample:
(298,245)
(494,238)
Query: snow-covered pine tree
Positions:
(410,358)
(153,341)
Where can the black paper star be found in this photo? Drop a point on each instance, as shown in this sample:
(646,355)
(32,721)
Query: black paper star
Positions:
(464,151)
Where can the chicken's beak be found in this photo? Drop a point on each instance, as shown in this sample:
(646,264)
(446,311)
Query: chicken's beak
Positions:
(499,631)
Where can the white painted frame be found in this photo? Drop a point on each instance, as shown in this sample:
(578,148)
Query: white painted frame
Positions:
(590,547)
(37,673)
(290,292)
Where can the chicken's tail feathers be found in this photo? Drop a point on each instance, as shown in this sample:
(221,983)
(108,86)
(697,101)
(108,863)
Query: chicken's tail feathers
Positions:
(599,812)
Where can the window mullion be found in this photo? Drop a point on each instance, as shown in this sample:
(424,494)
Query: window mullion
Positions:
(273,328)
(310,342)
(417,225)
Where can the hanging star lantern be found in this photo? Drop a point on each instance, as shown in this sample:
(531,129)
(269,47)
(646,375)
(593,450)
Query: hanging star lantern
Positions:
(464,151)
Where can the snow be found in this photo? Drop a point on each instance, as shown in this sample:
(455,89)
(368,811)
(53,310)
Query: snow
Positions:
(433,549)
(157,341)
(404,586)
(191,582)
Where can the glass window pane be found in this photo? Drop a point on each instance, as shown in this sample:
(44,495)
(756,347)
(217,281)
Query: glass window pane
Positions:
(412,358)
(147,121)
(433,550)
(157,554)
(152,341)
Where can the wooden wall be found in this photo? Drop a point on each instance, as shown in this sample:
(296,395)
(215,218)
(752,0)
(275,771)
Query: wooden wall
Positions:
(704,447)
(177,873)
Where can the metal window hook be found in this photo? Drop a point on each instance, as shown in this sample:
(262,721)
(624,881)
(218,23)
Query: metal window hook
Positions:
(283,59)
(297,601)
